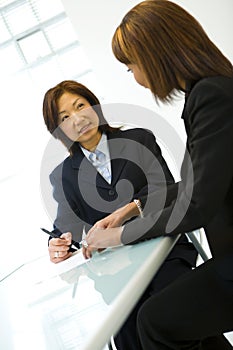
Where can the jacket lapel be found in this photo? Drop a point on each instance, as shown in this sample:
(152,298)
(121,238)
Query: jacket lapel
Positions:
(86,171)
(116,150)
(89,174)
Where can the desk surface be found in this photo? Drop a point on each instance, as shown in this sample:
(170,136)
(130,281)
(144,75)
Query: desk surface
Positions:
(65,306)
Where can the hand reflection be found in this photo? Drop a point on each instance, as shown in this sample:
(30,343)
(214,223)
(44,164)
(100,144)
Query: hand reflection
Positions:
(110,270)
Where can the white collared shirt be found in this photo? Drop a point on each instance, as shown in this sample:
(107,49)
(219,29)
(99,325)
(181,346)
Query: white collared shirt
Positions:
(102,147)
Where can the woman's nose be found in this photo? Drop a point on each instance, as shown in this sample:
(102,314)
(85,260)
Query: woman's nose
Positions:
(77,118)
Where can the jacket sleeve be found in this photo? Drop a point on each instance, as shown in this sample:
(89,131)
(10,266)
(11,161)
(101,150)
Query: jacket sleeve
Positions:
(206,170)
(154,167)
(67,218)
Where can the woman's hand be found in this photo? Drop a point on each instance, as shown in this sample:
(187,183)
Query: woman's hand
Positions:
(104,237)
(59,248)
(118,217)
(99,239)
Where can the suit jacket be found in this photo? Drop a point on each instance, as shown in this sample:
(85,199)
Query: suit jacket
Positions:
(84,196)
(205,195)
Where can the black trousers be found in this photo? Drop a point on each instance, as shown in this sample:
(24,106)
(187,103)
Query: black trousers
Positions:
(127,338)
(192,312)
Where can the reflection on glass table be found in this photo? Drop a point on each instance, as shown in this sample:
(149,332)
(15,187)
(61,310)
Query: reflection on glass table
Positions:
(77,304)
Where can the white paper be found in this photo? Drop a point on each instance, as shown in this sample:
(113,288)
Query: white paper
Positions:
(75,260)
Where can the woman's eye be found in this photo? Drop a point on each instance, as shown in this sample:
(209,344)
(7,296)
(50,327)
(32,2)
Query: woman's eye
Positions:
(64,118)
(129,70)
(80,105)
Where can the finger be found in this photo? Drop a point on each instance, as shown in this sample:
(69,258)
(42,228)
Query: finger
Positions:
(55,242)
(55,254)
(57,260)
(100,250)
(84,251)
(60,258)
(62,249)
(92,233)
(89,253)
(61,253)
(101,224)
(98,225)
(67,236)
(91,230)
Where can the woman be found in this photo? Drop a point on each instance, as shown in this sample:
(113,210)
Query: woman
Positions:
(87,191)
(168,51)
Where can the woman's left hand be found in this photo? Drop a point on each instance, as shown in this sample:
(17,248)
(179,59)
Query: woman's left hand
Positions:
(99,238)
(118,217)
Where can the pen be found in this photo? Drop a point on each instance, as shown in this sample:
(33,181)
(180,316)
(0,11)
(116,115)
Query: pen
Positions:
(55,235)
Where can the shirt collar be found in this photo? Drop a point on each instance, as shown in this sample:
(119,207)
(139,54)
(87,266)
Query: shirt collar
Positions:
(102,146)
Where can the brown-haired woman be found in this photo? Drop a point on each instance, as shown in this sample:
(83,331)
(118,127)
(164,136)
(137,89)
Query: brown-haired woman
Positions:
(88,192)
(168,51)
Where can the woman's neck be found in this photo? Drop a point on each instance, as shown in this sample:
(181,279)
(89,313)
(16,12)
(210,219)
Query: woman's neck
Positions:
(92,144)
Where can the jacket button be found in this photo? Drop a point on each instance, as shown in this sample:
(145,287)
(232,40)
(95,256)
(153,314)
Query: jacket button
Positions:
(111,192)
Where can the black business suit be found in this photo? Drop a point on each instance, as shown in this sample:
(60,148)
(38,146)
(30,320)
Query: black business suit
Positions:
(135,156)
(201,303)
(84,197)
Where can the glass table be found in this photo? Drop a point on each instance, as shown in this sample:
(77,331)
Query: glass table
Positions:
(77,304)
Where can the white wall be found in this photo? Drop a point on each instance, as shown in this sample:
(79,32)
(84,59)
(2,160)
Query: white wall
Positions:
(96,21)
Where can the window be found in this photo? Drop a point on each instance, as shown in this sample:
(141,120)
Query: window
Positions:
(32,33)
(38,49)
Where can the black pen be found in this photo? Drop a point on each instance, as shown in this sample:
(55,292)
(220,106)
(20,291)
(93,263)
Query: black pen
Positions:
(55,235)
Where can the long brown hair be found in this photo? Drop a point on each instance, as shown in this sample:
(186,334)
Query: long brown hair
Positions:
(168,45)
(50,110)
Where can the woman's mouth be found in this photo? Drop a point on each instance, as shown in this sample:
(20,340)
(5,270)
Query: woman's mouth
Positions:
(84,129)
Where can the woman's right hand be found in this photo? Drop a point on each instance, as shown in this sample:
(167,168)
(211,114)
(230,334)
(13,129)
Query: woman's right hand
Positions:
(59,248)
(115,219)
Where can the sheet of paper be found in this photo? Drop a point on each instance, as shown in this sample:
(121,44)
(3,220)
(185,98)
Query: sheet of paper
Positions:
(42,268)
(75,260)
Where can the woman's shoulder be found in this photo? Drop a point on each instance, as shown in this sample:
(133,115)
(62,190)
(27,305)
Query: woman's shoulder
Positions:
(56,173)
(214,85)
(212,93)
(132,133)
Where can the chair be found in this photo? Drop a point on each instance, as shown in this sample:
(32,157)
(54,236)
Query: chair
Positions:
(110,346)
(197,244)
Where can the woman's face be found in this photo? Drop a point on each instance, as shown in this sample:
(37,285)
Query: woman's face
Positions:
(138,75)
(78,120)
